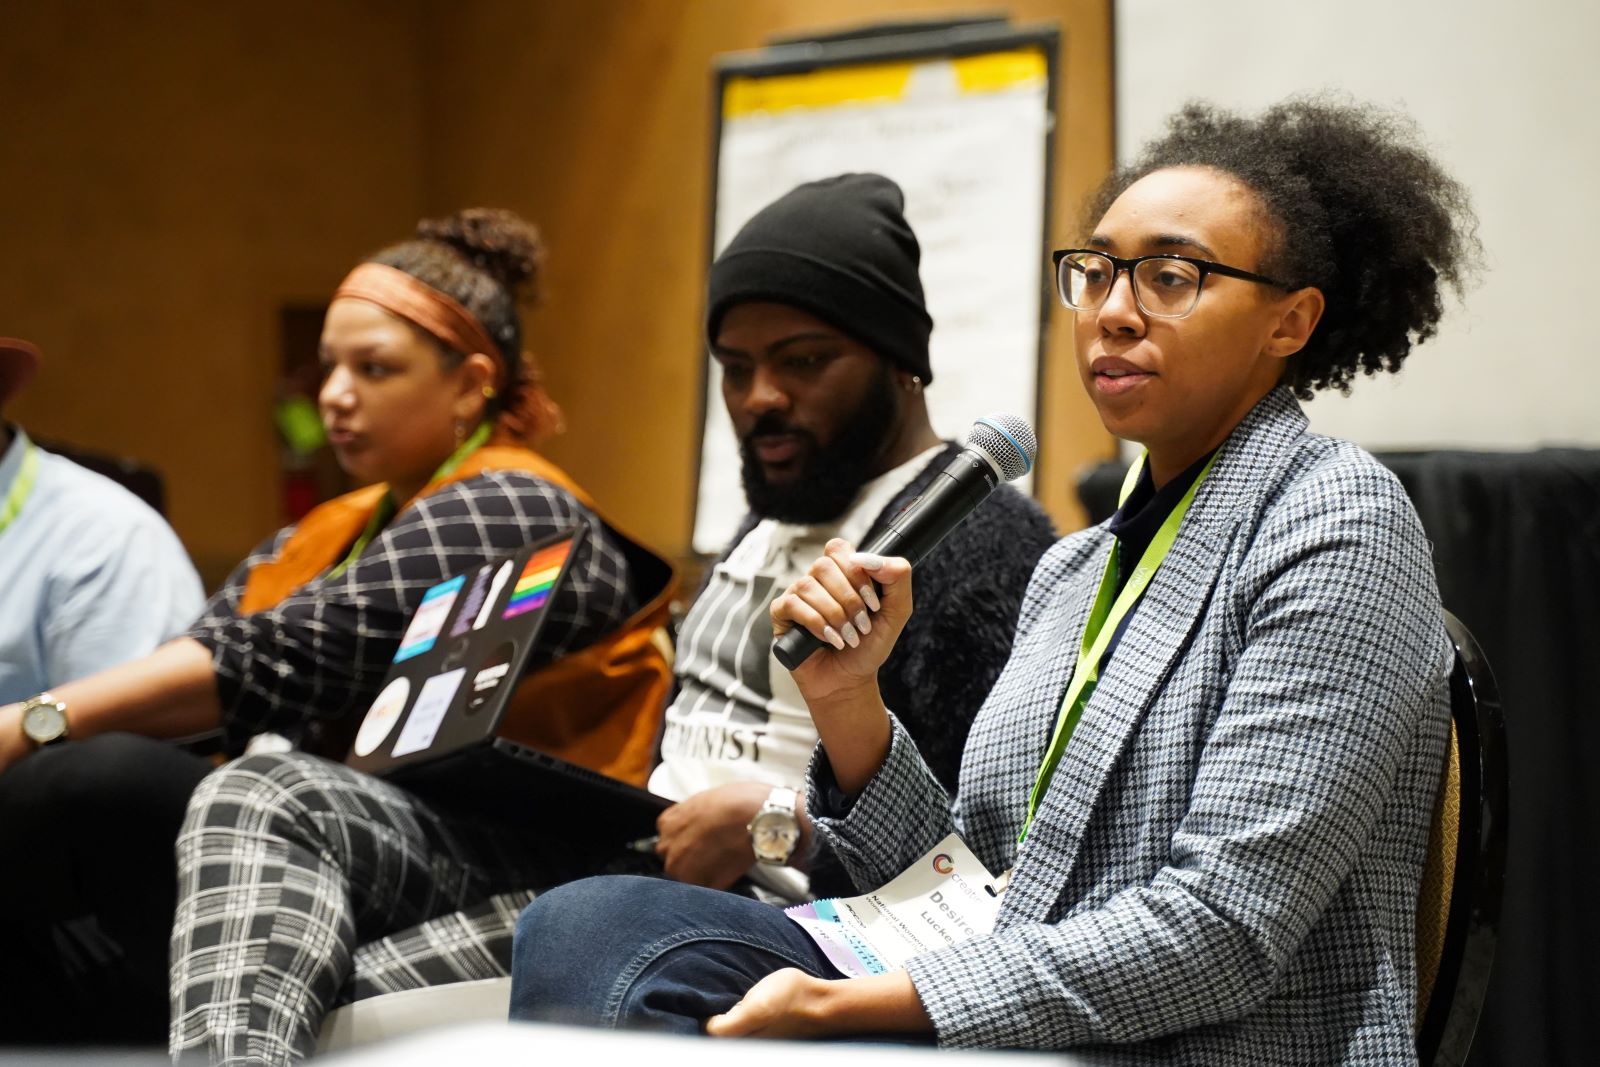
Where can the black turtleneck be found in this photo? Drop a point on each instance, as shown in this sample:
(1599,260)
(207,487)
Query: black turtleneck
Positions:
(1135,525)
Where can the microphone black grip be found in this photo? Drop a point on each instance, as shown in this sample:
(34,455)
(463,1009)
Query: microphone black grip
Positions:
(795,647)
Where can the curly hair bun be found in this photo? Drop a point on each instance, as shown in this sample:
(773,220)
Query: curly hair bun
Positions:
(499,242)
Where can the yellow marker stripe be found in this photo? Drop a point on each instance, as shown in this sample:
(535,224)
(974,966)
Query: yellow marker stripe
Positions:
(999,71)
(869,83)
(860,84)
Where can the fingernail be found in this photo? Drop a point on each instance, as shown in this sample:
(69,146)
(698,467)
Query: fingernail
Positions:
(830,635)
(863,623)
(851,638)
(870,595)
(868,561)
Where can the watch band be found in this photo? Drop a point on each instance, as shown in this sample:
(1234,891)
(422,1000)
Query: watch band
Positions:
(783,798)
(775,830)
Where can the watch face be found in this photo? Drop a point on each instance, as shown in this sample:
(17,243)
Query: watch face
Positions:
(773,835)
(44,723)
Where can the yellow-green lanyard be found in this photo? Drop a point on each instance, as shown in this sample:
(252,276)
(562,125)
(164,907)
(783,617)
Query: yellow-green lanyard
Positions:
(387,506)
(21,487)
(1104,619)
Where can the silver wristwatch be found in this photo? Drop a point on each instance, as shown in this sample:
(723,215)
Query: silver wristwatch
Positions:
(775,830)
(44,719)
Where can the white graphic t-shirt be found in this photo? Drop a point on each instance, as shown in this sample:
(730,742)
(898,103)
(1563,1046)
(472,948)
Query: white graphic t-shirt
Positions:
(738,715)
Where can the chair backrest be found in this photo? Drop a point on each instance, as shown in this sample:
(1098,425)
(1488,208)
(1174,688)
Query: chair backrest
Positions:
(1458,911)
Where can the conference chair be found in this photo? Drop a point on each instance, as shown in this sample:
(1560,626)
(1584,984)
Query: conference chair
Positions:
(1458,910)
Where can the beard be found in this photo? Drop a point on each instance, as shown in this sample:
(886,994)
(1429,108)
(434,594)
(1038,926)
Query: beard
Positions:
(834,473)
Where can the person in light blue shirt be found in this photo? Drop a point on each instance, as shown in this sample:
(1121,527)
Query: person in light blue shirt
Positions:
(90,575)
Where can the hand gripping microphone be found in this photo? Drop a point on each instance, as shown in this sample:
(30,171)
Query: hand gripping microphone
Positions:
(999,448)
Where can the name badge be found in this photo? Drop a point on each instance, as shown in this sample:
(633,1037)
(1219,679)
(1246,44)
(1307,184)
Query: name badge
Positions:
(943,899)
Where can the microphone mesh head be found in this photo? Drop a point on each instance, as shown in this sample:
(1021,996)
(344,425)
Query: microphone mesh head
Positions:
(1007,440)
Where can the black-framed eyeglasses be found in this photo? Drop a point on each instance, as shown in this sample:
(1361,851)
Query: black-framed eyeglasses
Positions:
(1166,286)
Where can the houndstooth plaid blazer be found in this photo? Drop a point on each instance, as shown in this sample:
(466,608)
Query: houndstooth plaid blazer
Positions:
(1225,867)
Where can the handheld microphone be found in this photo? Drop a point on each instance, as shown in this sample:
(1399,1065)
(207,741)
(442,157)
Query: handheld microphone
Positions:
(999,448)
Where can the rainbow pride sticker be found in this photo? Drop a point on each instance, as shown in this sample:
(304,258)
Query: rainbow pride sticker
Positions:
(538,579)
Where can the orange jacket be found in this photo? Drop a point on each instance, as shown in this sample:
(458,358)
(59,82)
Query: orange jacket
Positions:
(600,706)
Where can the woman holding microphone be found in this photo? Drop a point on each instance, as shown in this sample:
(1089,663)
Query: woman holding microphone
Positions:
(1209,766)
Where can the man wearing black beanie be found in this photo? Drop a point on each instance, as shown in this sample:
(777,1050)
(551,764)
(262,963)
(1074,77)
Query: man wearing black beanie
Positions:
(832,257)
(816,319)
(815,316)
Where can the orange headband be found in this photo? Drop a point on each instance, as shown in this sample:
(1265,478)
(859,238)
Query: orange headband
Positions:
(420,303)
(528,411)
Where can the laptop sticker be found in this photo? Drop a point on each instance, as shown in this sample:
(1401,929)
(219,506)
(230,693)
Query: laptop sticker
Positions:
(429,619)
(382,716)
(432,702)
(489,601)
(538,579)
(455,653)
(471,603)
(489,677)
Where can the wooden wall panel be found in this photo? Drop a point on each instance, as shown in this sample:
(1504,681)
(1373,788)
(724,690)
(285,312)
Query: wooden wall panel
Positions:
(171,174)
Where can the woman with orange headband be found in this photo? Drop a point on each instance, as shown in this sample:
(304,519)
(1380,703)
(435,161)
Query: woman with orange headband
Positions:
(428,397)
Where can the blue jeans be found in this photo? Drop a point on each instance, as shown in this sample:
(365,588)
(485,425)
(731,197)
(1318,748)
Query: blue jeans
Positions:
(630,952)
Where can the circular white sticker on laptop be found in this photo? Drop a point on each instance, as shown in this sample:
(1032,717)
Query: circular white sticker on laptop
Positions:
(382,716)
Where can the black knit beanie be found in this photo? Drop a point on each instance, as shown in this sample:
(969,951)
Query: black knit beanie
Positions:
(839,248)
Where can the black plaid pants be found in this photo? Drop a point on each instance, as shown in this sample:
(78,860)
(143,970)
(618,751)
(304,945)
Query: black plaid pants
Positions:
(293,872)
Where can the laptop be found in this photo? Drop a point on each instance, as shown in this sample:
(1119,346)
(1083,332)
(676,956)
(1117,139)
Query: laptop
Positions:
(433,725)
